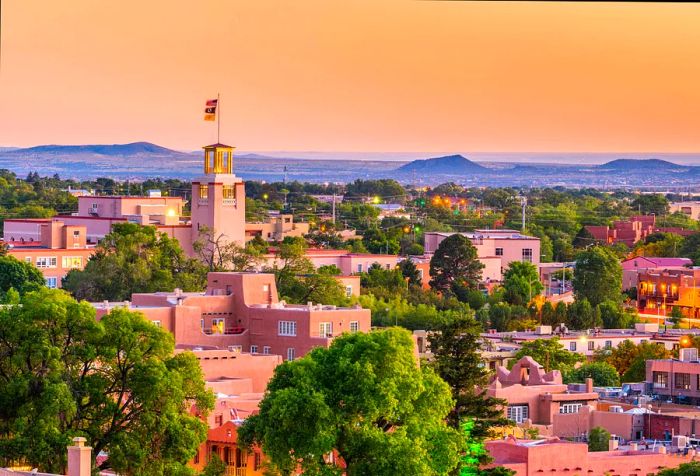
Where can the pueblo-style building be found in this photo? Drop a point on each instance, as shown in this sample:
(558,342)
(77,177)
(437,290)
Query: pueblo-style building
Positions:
(241,312)
(659,291)
(536,396)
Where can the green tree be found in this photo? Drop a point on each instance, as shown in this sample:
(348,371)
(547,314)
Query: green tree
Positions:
(549,353)
(455,262)
(602,373)
(521,282)
(115,382)
(18,275)
(135,259)
(691,248)
(581,315)
(629,359)
(598,276)
(218,254)
(457,359)
(410,272)
(649,204)
(215,467)
(613,316)
(364,397)
(685,469)
(598,439)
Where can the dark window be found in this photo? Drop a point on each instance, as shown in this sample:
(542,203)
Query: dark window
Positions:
(682,381)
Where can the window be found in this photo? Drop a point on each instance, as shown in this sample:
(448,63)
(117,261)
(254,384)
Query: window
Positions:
(572,346)
(46,262)
(348,291)
(291,353)
(682,381)
(325,329)
(287,328)
(499,251)
(28,259)
(76,234)
(256,461)
(354,326)
(156,323)
(72,262)
(660,379)
(266,350)
(359,268)
(527,255)
(388,266)
(203,192)
(266,288)
(518,413)
(591,345)
(52,282)
(218,326)
(219,420)
(608,344)
(570,407)
(253,349)
(229,192)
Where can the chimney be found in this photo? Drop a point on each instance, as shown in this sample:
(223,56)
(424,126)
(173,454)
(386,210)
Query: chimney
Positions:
(612,444)
(589,385)
(79,458)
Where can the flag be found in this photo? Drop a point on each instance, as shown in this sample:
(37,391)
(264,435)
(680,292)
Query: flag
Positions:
(210,110)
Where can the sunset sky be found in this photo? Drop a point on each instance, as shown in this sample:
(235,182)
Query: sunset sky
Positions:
(355,75)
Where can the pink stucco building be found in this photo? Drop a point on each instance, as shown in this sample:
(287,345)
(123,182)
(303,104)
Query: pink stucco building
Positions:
(242,312)
(552,456)
(536,396)
(495,248)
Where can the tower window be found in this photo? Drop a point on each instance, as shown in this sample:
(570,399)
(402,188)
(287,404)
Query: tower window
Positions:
(229,192)
(204,192)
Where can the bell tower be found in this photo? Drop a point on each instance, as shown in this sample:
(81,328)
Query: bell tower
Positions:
(218,197)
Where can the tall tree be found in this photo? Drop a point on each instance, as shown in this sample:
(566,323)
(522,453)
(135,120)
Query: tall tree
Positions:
(364,397)
(521,282)
(218,254)
(602,373)
(455,262)
(549,353)
(114,381)
(135,259)
(598,276)
(18,275)
(456,347)
(410,272)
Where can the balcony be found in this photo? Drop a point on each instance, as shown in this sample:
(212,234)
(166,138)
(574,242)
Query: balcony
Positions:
(231,331)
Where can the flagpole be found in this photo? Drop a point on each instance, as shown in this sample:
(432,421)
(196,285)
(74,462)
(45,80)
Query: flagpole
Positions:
(218,119)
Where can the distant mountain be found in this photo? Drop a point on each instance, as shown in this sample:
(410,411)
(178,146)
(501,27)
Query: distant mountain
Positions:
(450,164)
(631,165)
(117,150)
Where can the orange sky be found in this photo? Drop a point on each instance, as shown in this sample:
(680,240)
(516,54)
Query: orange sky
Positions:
(361,75)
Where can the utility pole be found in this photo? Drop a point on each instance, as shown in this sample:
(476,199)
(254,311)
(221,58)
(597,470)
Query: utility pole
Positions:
(523,202)
(334,208)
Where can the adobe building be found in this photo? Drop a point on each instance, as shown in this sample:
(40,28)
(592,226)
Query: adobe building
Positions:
(242,312)
(633,267)
(659,291)
(52,246)
(553,456)
(676,380)
(689,208)
(496,249)
(536,396)
(628,232)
